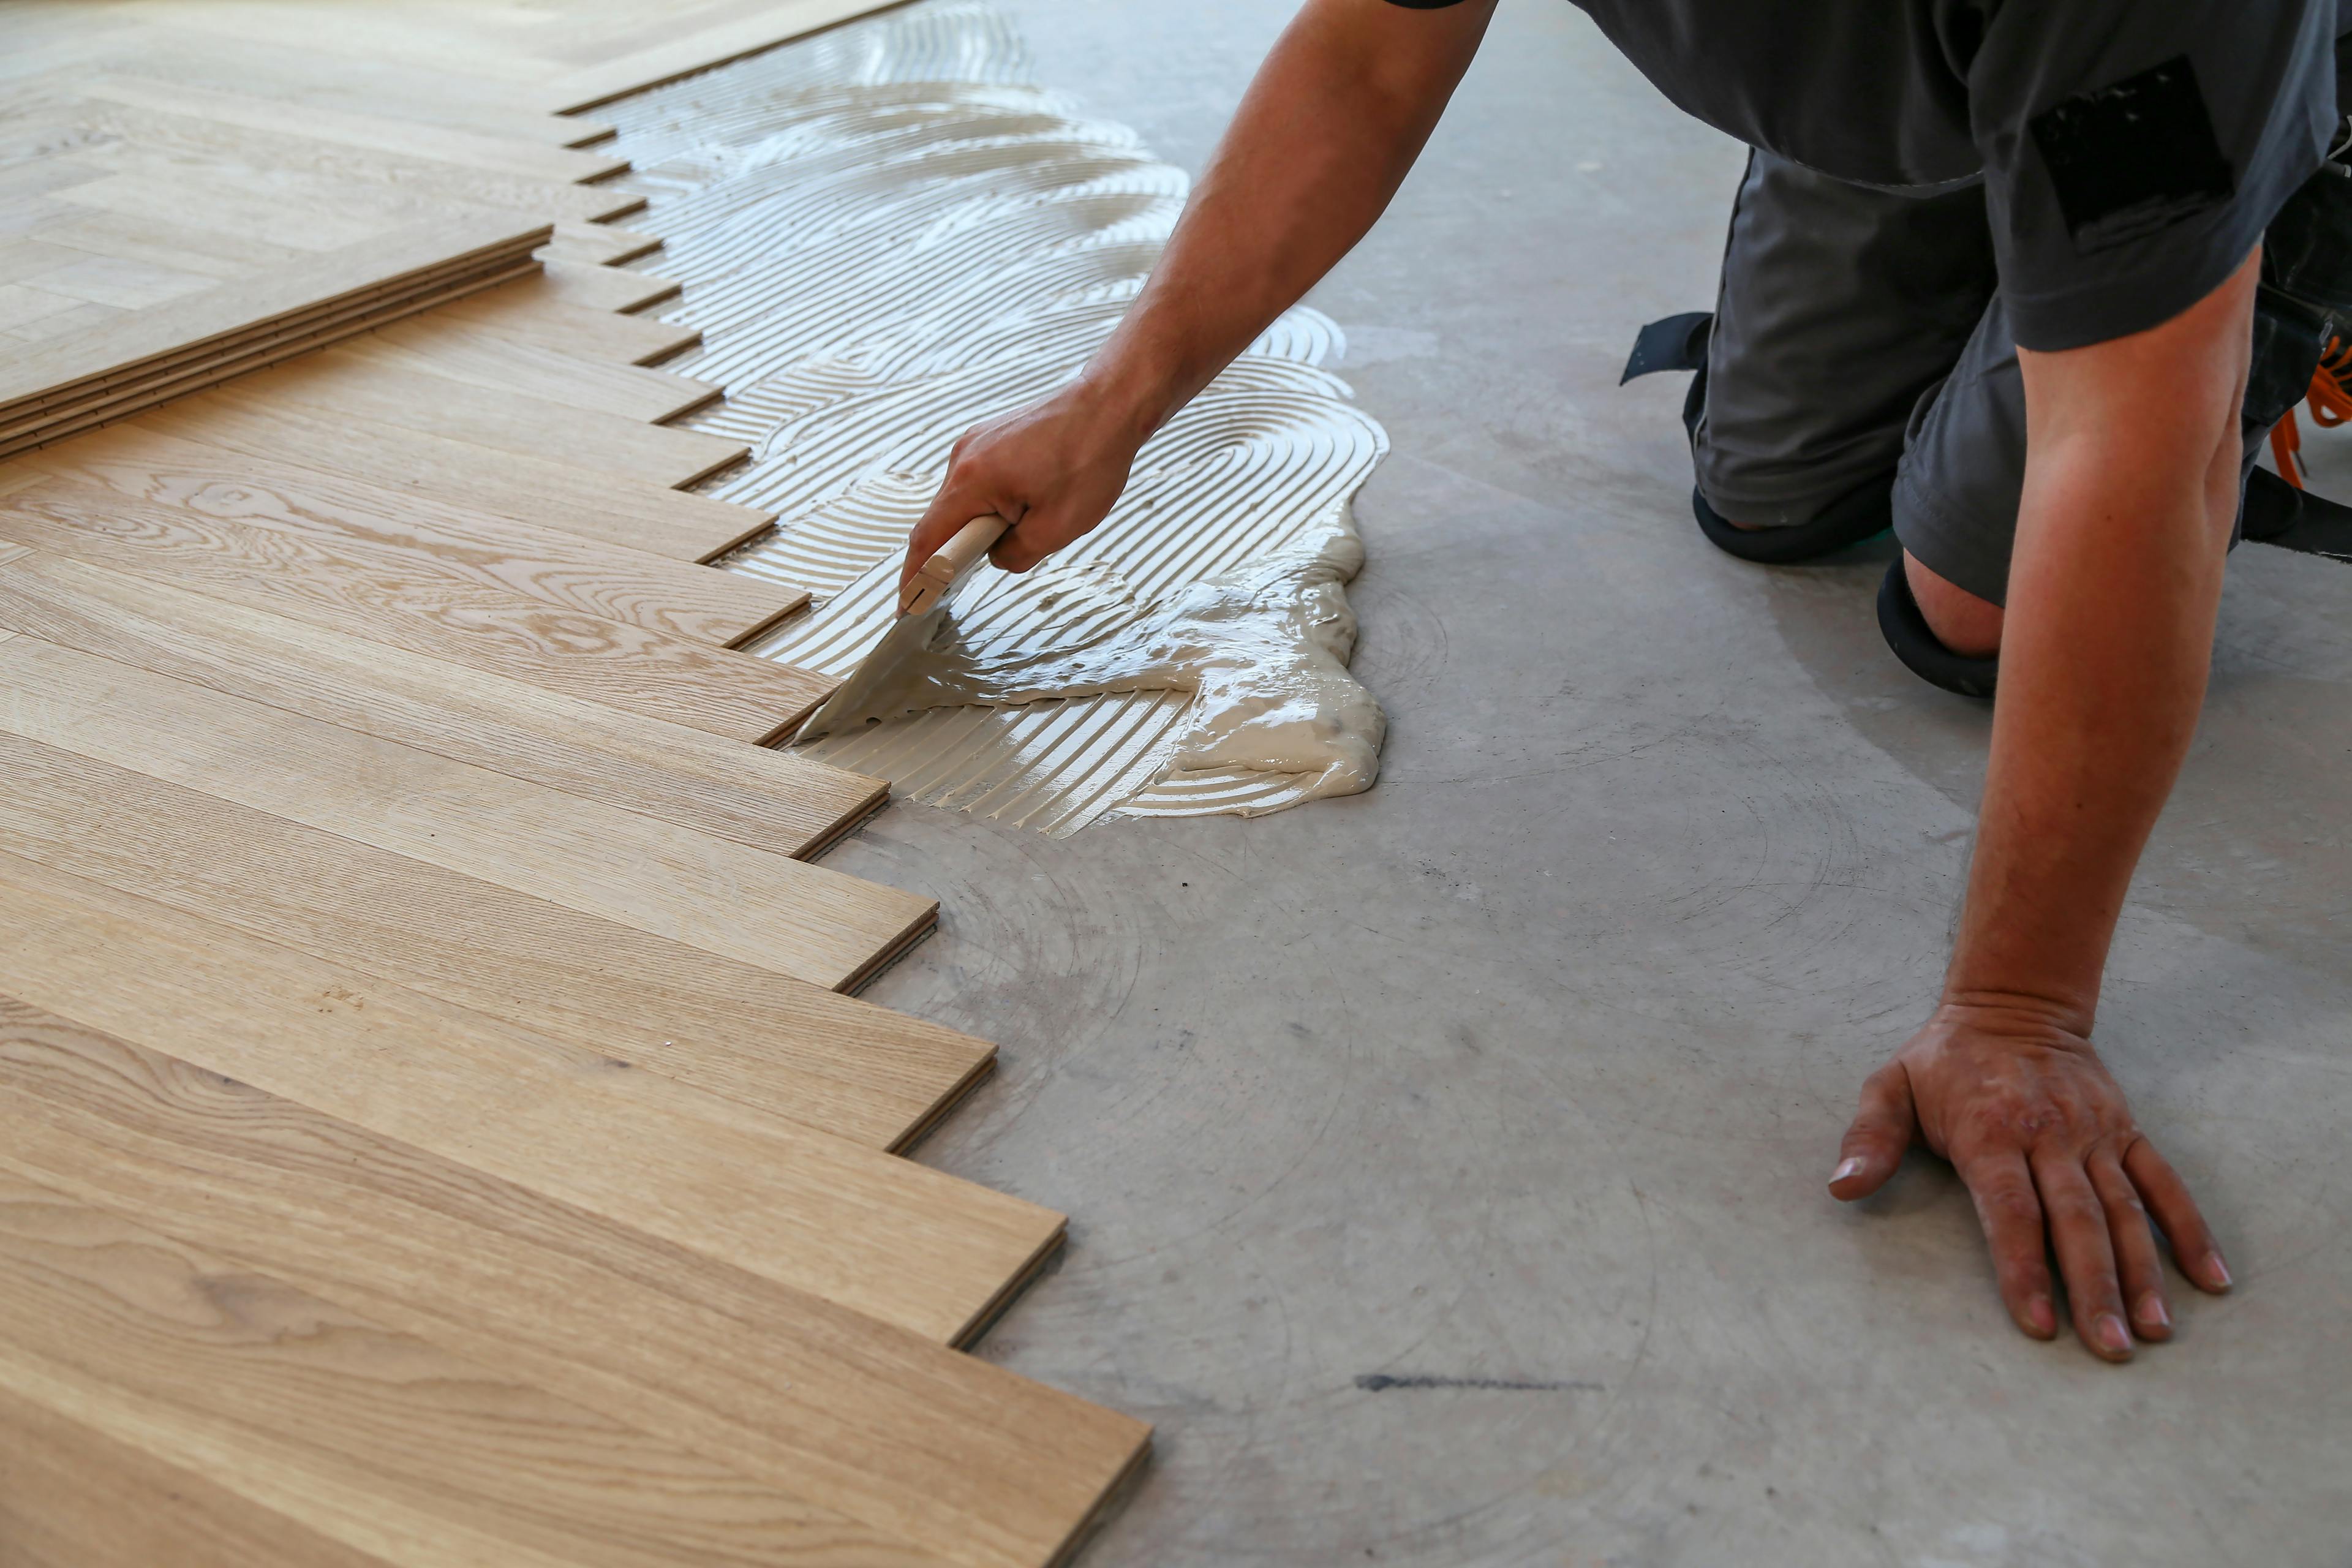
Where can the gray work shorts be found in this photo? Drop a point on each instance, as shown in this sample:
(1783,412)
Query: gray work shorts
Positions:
(1858,333)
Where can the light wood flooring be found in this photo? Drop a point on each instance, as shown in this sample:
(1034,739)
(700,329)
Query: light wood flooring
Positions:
(436,1127)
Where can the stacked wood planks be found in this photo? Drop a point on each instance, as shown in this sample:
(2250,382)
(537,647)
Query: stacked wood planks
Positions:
(435,1126)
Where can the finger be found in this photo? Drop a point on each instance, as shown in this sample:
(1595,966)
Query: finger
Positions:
(2012,1216)
(2167,1198)
(1039,532)
(2137,1265)
(2086,1254)
(959,500)
(1875,1139)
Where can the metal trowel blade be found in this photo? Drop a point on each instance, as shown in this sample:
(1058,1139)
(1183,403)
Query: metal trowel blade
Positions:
(908,636)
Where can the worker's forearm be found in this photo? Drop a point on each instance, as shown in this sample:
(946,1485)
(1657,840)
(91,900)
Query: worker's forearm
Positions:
(1324,136)
(2103,658)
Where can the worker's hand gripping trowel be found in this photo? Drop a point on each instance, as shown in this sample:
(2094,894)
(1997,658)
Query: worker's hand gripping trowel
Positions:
(922,606)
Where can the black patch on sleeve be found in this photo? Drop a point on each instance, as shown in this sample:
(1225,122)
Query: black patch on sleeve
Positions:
(2128,159)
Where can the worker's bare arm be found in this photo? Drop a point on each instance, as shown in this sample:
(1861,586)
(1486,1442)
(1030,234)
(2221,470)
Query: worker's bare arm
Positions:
(1324,136)
(2124,521)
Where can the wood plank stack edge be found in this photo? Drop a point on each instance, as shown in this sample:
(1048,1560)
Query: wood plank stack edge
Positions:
(437,1124)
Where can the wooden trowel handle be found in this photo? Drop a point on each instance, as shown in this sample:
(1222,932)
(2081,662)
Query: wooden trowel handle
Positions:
(934,577)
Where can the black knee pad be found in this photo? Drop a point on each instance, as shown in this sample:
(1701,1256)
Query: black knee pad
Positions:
(1922,653)
(1868,508)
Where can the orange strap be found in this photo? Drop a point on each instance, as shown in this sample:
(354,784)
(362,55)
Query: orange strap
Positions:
(2331,405)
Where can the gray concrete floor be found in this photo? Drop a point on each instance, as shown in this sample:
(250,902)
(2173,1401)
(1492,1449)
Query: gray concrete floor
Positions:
(1528,1068)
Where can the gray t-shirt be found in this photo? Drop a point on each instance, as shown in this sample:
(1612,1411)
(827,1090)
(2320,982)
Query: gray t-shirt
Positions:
(2132,150)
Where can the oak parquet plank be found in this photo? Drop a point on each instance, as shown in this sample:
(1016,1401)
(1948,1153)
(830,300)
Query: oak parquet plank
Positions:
(532,310)
(72,1497)
(959,1456)
(405,138)
(595,287)
(193,198)
(643,672)
(379,1445)
(600,244)
(768,799)
(164,48)
(235,305)
(117,404)
(144,467)
(776,1046)
(463,352)
(351,181)
(682,53)
(218,252)
(362,387)
(755,907)
(642,515)
(881,1236)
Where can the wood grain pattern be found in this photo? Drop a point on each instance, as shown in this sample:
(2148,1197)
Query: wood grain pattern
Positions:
(600,244)
(778,1046)
(618,510)
(600,660)
(353,184)
(532,160)
(377,1442)
(235,305)
(163,48)
(593,286)
(533,310)
(266,352)
(453,349)
(138,469)
(762,909)
(960,1458)
(71,1497)
(357,387)
(683,49)
(878,1235)
(768,799)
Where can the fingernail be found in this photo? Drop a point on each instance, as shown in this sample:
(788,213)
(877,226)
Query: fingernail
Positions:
(2113,1337)
(2152,1310)
(2041,1315)
(2220,1270)
(1851,1166)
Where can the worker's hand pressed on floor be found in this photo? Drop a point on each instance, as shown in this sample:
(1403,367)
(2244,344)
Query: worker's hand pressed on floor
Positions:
(2104,645)
(1327,131)
(2030,1117)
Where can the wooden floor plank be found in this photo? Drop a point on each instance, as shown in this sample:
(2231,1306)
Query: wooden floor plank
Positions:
(72,1497)
(374,1440)
(600,244)
(714,689)
(351,183)
(768,799)
(681,53)
(358,387)
(595,287)
(555,494)
(762,909)
(143,469)
(878,1234)
(235,306)
(462,352)
(961,1458)
(291,341)
(780,1047)
(407,137)
(162,48)
(533,310)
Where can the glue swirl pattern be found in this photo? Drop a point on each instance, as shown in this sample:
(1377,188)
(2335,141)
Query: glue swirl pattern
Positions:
(886,235)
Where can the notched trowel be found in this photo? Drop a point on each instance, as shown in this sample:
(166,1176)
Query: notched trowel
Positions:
(921,607)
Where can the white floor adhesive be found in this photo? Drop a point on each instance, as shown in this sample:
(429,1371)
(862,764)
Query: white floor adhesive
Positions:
(886,236)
